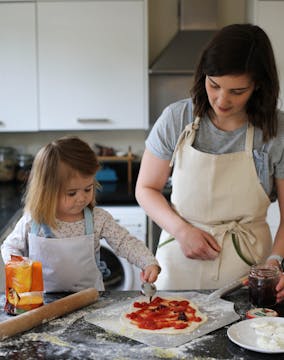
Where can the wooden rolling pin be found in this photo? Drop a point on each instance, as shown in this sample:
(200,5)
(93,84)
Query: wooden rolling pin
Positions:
(57,308)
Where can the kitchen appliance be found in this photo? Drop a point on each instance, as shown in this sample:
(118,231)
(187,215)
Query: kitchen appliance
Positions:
(197,23)
(123,275)
(171,73)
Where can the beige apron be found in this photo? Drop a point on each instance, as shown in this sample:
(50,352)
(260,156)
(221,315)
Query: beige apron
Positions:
(222,195)
(68,264)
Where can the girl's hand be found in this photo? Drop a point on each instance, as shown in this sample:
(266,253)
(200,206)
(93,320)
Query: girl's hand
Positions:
(198,244)
(150,273)
(280,289)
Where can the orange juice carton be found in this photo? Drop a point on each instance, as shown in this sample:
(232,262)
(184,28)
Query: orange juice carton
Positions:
(24,285)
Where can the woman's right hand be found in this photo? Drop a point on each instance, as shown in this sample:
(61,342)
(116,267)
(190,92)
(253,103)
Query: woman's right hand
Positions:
(153,174)
(197,244)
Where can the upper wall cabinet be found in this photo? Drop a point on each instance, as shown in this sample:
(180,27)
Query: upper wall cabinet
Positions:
(92,65)
(18,92)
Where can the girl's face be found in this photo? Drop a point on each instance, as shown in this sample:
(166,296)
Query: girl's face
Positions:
(229,94)
(77,194)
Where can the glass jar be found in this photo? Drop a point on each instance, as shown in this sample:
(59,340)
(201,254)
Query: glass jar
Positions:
(23,168)
(7,163)
(262,282)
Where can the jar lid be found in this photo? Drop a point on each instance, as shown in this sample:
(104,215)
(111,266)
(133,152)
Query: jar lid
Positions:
(260,312)
(264,271)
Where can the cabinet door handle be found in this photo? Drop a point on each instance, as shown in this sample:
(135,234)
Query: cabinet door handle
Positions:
(93,120)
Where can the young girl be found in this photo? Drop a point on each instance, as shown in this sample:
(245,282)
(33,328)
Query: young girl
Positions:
(62,228)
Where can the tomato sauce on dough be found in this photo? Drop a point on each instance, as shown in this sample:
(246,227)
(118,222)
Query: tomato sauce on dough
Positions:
(163,313)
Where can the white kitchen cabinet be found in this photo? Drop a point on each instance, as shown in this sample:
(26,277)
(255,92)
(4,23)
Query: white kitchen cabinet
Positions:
(18,87)
(92,65)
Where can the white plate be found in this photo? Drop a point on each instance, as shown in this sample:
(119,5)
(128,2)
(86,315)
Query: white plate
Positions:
(243,334)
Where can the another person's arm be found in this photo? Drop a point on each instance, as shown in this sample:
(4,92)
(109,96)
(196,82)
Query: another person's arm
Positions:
(278,245)
(153,174)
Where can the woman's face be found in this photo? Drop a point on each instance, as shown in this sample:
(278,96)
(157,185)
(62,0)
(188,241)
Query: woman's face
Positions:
(229,94)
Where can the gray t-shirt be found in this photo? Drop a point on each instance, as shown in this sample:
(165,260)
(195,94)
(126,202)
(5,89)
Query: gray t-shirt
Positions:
(268,157)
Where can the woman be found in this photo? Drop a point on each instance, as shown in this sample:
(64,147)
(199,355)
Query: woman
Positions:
(226,144)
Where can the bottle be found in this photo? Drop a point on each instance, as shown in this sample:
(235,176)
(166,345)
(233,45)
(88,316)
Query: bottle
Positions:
(7,163)
(23,168)
(262,282)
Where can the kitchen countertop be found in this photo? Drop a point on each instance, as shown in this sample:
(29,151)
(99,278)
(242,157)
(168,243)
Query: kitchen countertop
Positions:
(71,337)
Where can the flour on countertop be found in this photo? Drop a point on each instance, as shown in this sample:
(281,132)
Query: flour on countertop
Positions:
(64,335)
(219,312)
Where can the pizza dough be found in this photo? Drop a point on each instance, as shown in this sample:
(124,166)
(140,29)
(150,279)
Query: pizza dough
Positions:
(191,325)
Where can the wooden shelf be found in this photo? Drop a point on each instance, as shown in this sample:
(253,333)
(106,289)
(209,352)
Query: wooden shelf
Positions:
(126,158)
(116,158)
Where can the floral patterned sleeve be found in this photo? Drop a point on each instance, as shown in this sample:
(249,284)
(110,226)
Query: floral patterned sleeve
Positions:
(121,241)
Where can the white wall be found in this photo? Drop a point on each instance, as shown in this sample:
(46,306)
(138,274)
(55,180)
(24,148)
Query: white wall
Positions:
(231,11)
(269,15)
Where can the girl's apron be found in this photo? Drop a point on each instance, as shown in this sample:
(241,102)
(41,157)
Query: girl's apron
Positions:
(222,195)
(69,264)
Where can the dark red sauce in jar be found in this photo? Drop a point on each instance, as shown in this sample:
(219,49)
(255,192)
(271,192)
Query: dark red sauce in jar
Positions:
(262,283)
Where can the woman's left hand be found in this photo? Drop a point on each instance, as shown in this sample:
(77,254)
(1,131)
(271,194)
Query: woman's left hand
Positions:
(280,285)
(150,273)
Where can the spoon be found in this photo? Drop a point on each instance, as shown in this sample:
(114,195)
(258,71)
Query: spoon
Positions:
(148,289)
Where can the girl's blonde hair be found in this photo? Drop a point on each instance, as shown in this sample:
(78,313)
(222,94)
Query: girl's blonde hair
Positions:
(53,166)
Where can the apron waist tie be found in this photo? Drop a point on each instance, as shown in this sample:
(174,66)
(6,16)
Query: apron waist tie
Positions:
(245,241)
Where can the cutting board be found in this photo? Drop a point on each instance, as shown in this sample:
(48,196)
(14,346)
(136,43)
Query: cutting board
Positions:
(219,312)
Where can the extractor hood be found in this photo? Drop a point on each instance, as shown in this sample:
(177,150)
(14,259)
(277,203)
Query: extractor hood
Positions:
(197,25)
(181,55)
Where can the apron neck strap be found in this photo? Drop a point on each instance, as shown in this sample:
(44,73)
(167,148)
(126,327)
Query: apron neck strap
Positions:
(89,221)
(188,133)
(34,228)
(249,139)
(45,228)
(89,225)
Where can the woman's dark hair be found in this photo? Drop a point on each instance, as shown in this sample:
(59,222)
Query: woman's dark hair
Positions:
(235,50)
